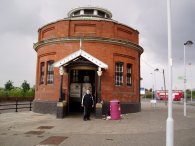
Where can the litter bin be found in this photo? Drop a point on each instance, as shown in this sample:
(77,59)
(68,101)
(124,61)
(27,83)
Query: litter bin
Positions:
(115,111)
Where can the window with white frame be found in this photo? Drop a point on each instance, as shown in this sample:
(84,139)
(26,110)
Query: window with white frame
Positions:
(119,73)
(129,74)
(50,72)
(42,73)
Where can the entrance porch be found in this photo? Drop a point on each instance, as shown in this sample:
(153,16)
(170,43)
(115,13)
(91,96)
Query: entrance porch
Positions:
(84,72)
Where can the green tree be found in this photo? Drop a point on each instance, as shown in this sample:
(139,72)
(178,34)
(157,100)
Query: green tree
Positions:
(25,86)
(9,85)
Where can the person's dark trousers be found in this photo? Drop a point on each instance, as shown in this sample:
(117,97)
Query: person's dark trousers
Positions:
(85,114)
(87,111)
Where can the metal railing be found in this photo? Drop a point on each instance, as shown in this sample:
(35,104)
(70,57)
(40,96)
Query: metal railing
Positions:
(17,105)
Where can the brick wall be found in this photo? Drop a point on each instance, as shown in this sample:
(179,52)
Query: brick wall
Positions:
(107,52)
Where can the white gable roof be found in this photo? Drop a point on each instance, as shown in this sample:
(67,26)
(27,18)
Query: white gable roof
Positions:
(84,55)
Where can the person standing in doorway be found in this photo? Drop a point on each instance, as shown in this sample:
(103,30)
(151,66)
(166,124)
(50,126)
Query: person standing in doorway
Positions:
(87,103)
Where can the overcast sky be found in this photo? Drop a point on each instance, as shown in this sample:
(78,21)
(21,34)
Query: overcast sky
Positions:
(20,20)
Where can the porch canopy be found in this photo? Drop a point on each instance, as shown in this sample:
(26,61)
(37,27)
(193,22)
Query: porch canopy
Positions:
(84,54)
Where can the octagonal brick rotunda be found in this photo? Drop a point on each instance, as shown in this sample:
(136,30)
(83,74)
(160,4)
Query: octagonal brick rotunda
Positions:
(87,50)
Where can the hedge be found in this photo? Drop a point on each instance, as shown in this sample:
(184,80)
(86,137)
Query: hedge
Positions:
(16,93)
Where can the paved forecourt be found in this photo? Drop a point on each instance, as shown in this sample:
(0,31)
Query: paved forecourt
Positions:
(144,128)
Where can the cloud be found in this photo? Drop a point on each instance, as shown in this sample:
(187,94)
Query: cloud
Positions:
(18,30)
(183,29)
(19,17)
(20,20)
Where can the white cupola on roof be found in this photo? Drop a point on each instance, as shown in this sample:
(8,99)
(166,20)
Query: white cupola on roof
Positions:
(90,12)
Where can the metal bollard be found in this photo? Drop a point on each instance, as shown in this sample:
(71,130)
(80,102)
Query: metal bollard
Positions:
(16,105)
(30,105)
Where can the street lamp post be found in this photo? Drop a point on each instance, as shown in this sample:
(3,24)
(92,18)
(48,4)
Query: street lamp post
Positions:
(164,84)
(155,82)
(152,87)
(191,81)
(163,79)
(170,121)
(188,43)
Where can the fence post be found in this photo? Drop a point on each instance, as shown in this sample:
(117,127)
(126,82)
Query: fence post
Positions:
(16,105)
(30,105)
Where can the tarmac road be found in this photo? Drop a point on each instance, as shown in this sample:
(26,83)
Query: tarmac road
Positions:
(146,128)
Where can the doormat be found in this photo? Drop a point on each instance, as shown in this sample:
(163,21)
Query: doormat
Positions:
(53,140)
(45,127)
(35,132)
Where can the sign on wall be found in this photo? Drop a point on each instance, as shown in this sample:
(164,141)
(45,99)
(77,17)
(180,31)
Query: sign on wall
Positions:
(75,90)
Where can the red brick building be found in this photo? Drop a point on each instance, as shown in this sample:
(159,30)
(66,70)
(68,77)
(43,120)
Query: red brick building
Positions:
(85,42)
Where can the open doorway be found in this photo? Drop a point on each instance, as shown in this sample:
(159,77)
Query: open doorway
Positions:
(79,81)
